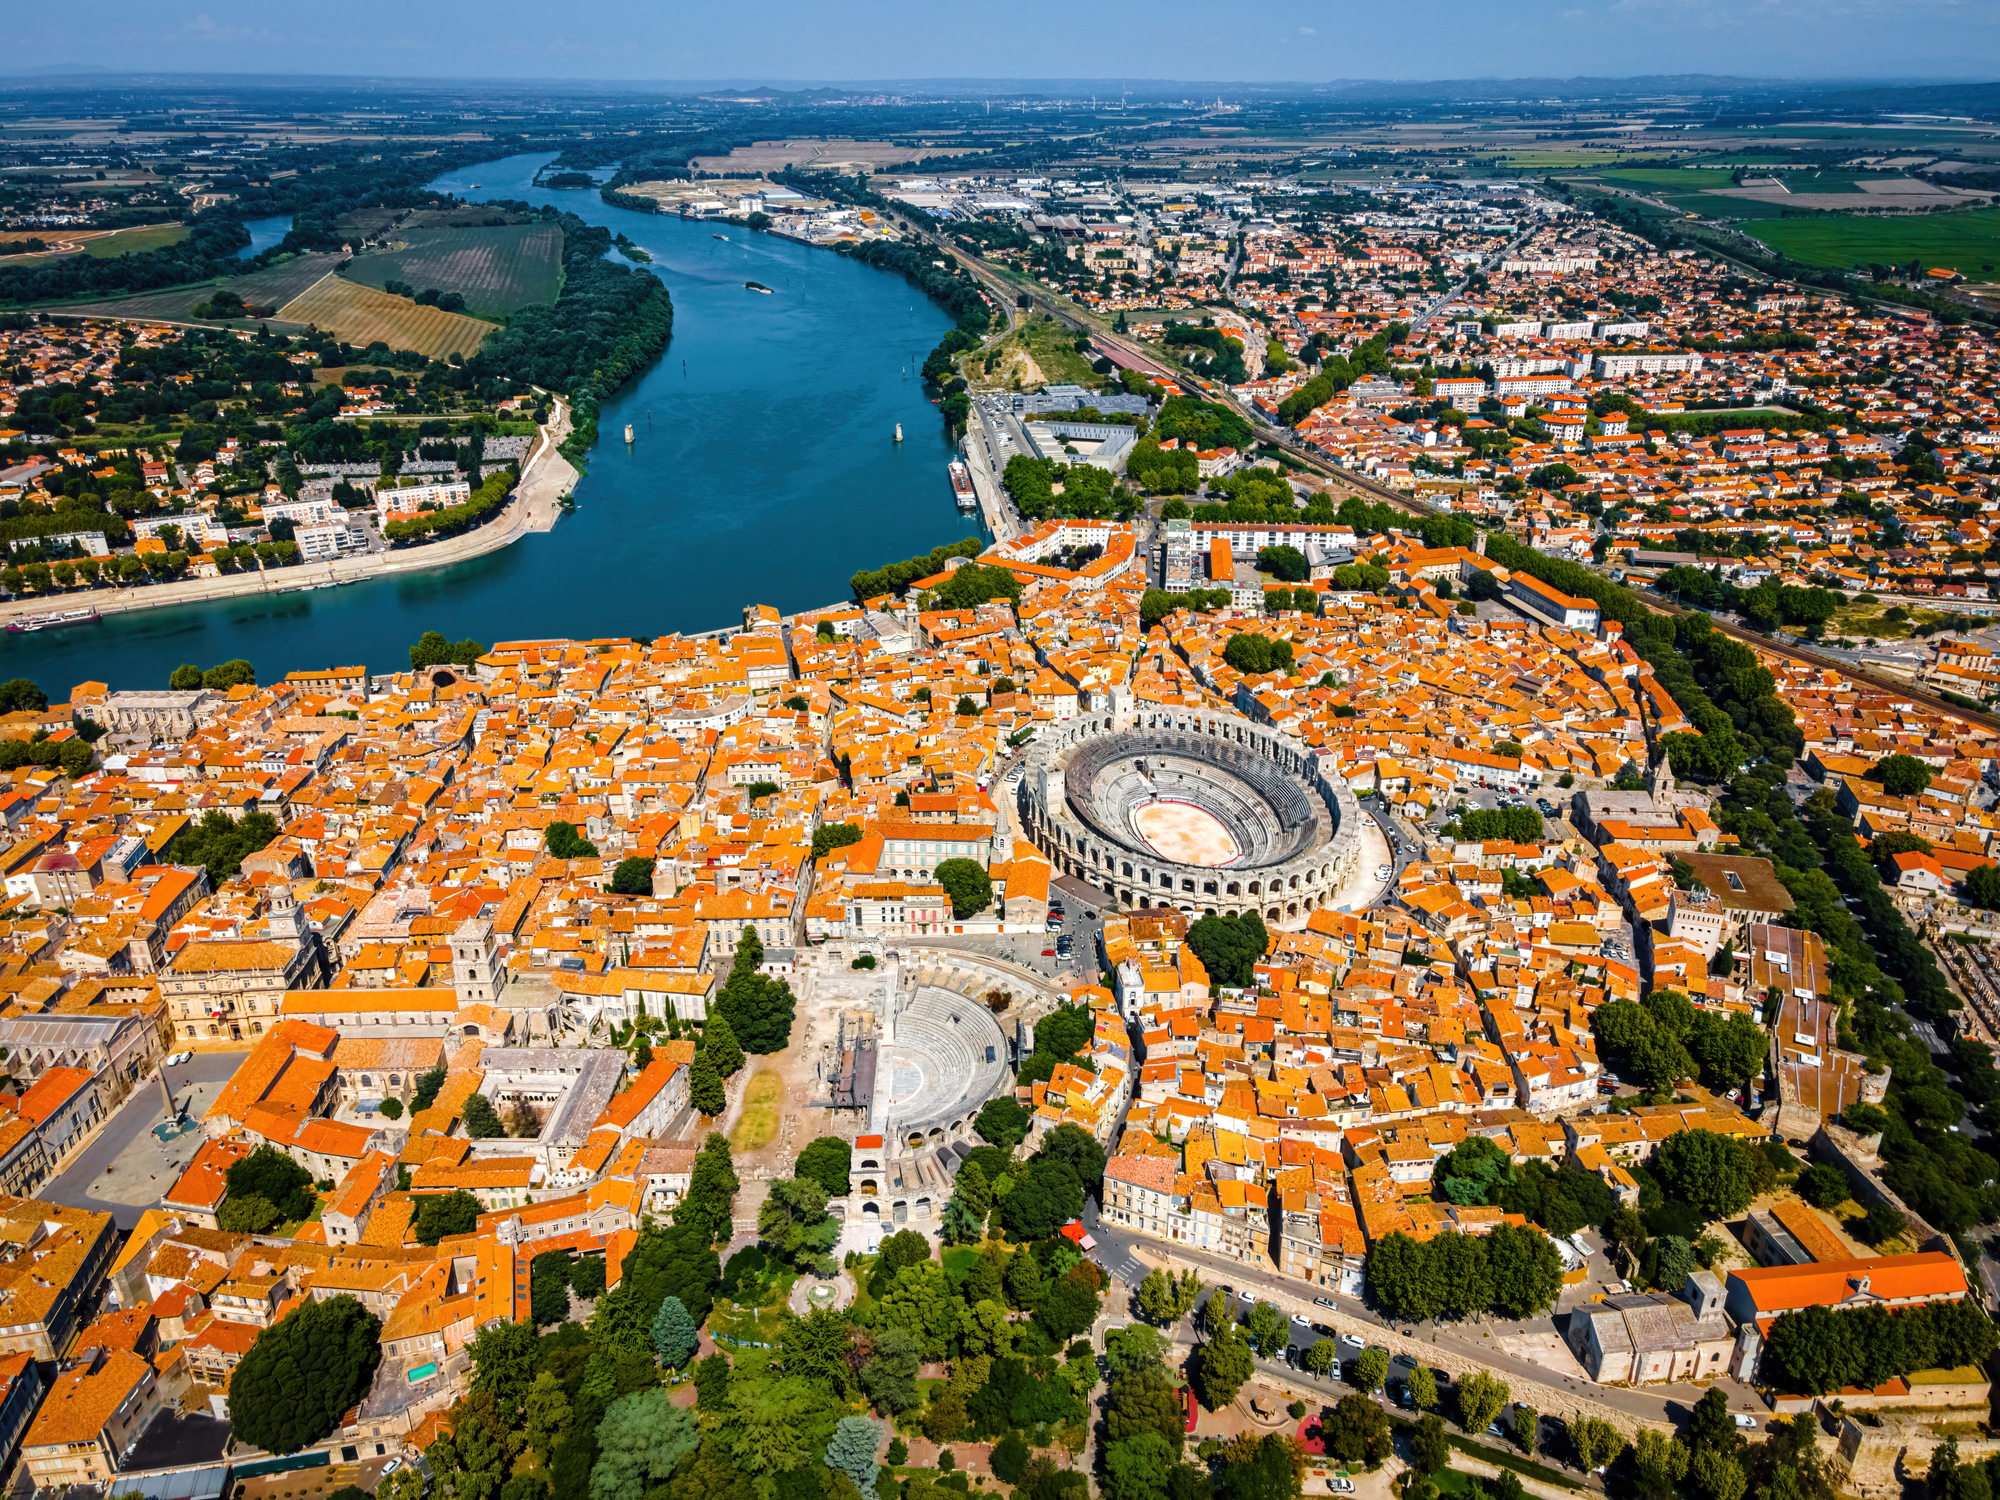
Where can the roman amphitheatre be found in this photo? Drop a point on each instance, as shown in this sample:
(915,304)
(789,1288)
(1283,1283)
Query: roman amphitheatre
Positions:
(1196,809)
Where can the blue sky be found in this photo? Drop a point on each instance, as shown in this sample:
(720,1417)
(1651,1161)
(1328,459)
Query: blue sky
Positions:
(1249,40)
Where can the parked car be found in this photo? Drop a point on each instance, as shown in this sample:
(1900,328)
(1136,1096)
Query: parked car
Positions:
(1349,1341)
(1340,1486)
(1405,1360)
(391,1467)
(1323,1302)
(1048,953)
(1743,1421)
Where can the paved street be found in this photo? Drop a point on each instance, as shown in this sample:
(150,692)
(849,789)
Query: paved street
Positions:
(125,1170)
(1477,1341)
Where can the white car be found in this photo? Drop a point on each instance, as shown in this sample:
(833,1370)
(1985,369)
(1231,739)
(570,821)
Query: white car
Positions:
(391,1467)
(1382,872)
(1743,1421)
(1341,1486)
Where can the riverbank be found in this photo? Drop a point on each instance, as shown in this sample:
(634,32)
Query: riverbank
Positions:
(536,505)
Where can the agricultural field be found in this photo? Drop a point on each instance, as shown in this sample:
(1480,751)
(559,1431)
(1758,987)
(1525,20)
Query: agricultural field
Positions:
(498,270)
(361,315)
(99,244)
(1968,241)
(272,286)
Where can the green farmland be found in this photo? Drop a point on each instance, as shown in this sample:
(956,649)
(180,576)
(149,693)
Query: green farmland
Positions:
(1968,241)
(498,270)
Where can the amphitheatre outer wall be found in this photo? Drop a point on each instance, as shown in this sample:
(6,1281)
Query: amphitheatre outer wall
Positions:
(1300,839)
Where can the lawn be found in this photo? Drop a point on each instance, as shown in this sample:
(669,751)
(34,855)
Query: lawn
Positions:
(1968,240)
(498,270)
(756,1323)
(1049,344)
(758,1124)
(130,241)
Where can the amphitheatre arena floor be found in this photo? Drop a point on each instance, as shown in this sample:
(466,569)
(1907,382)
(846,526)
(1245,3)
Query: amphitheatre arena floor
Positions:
(1185,834)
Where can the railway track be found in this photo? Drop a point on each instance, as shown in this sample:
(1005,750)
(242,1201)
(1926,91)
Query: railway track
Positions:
(1769,647)
(1008,292)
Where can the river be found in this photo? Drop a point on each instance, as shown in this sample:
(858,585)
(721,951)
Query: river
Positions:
(762,471)
(264,233)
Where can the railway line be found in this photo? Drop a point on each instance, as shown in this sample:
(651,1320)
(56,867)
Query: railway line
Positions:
(1660,605)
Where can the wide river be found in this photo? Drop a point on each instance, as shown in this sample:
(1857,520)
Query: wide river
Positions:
(762,471)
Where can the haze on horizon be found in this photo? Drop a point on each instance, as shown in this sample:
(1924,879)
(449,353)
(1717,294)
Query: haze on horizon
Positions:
(780,41)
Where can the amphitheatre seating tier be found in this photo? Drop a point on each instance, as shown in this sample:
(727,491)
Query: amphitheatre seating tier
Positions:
(1269,814)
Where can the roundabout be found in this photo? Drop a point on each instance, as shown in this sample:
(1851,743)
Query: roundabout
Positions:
(1192,808)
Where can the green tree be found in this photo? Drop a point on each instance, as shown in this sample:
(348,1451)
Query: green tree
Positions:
(1526,1427)
(890,1375)
(237,673)
(1266,1328)
(1423,1388)
(1823,1186)
(922,1302)
(391,1109)
(1357,1431)
(675,1337)
(1709,1170)
(564,842)
(548,1287)
(633,877)
(1068,1305)
(1716,1476)
(964,1221)
(1713,1428)
(1166,1298)
(1480,1397)
(427,1086)
(1228,946)
(968,885)
(711,1194)
(640,1442)
(1224,1366)
(718,1040)
(1321,1357)
(1903,775)
(758,1006)
(1661,1463)
(1138,1467)
(852,1452)
(1428,1448)
(794,1221)
(586,1277)
(303,1373)
(1401,1276)
(1003,1122)
(270,1174)
(1255,655)
(1982,887)
(439,1215)
(186,678)
(482,1122)
(831,836)
(1524,1268)
(504,1357)
(250,1214)
(705,1091)
(826,1160)
(1371,1368)
(1595,1440)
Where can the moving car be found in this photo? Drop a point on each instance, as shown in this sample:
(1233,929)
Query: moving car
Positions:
(1323,1302)
(1743,1421)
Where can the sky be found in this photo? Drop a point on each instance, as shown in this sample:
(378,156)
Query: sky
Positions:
(781,41)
